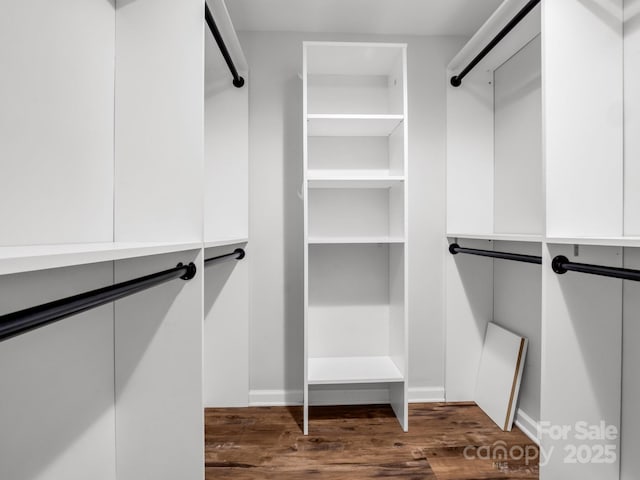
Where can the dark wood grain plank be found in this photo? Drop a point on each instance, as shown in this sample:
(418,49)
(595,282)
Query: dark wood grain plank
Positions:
(363,442)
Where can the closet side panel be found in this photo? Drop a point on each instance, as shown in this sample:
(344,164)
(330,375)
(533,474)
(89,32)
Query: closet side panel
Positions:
(158,374)
(630,440)
(518,199)
(159,139)
(469,307)
(516,299)
(470,155)
(56,121)
(57,409)
(631,117)
(582,98)
(581,364)
(226,331)
(226,186)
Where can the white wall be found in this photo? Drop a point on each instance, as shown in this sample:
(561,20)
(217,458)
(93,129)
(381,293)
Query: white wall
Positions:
(276,215)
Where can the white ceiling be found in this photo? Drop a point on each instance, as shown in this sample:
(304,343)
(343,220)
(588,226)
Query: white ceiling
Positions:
(408,17)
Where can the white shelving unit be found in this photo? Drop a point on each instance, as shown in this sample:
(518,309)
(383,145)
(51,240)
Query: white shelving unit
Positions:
(355,196)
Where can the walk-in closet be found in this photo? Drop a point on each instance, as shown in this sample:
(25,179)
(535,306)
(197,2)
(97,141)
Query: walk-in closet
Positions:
(332,239)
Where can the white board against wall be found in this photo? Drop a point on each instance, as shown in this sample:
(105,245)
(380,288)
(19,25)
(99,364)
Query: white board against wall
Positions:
(500,373)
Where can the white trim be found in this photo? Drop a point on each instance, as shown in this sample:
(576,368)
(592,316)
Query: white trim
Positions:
(528,426)
(274,398)
(426,394)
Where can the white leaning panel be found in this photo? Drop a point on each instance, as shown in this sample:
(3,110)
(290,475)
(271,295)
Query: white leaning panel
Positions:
(499,374)
(56,121)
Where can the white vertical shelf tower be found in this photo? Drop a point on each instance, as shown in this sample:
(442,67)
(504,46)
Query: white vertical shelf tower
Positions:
(355,204)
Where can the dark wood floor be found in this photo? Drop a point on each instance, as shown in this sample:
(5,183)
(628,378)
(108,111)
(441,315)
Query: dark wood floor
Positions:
(444,442)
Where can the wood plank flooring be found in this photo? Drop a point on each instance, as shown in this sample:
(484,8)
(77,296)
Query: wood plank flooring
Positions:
(444,442)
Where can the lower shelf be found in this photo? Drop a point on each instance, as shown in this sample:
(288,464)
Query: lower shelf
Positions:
(343,370)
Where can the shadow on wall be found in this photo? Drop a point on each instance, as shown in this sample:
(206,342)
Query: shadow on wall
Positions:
(293,235)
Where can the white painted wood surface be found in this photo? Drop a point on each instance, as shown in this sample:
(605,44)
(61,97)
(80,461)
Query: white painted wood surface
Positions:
(631,118)
(499,374)
(630,419)
(158,374)
(581,361)
(352,285)
(518,199)
(57,417)
(42,257)
(583,131)
(56,122)
(159,131)
(517,306)
(469,308)
(226,330)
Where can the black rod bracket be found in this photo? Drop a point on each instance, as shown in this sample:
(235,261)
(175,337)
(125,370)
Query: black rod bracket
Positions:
(561,264)
(190,272)
(557,264)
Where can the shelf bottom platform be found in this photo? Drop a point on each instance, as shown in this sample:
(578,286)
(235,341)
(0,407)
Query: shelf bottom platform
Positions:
(346,370)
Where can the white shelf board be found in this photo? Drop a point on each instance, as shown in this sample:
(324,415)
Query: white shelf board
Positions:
(346,125)
(355,182)
(341,370)
(603,241)
(225,241)
(353,240)
(41,257)
(505,237)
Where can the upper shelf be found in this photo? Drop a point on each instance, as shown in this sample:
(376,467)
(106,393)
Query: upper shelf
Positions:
(347,125)
(42,257)
(505,237)
(603,241)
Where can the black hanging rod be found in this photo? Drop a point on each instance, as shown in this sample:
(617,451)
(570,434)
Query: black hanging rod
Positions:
(456,80)
(20,322)
(238,81)
(455,248)
(561,264)
(238,252)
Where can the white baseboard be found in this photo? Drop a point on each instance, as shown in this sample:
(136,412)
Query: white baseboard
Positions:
(356,395)
(528,426)
(426,394)
(274,398)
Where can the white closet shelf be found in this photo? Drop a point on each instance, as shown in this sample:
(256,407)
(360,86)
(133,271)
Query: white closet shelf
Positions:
(505,237)
(353,240)
(346,125)
(603,241)
(225,241)
(355,182)
(343,370)
(41,257)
